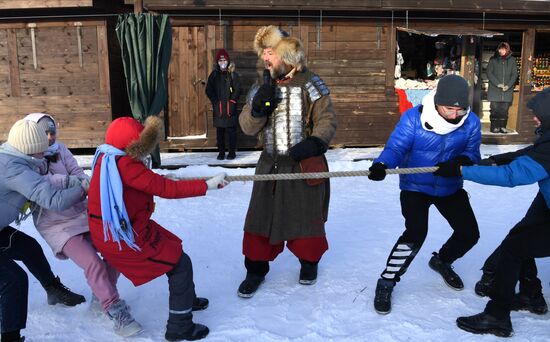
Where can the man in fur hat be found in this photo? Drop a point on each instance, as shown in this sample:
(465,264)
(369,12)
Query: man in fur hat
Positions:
(293,113)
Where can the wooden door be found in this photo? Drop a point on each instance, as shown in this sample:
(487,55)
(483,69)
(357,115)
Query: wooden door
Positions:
(187,81)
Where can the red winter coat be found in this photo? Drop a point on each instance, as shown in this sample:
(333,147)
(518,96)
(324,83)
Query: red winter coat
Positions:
(160,249)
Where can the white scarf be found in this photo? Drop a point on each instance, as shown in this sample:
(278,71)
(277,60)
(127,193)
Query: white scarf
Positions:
(437,124)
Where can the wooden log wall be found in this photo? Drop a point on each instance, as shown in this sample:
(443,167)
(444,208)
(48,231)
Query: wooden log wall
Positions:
(26,4)
(349,57)
(57,75)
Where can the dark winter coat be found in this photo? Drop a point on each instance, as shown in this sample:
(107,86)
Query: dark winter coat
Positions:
(501,71)
(286,210)
(410,145)
(223,89)
(160,249)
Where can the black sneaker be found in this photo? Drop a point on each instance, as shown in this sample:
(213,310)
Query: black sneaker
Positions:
(59,294)
(221,156)
(308,272)
(484,323)
(485,284)
(250,285)
(446,270)
(535,304)
(197,332)
(382,297)
(200,304)
(231,155)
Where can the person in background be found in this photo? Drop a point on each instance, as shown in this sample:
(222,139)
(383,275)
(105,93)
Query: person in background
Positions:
(442,128)
(120,206)
(223,89)
(502,72)
(67,232)
(21,159)
(528,239)
(292,112)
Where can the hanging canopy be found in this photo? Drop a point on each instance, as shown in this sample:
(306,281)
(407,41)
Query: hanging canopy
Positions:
(146,45)
(452,31)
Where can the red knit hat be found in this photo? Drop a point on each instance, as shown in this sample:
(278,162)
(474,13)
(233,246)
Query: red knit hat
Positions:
(123,131)
(222,52)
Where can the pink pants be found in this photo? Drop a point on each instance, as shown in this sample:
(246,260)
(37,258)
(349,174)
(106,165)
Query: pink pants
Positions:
(101,277)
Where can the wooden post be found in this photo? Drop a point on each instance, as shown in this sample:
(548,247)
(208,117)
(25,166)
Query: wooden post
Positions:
(15,81)
(138,6)
(468,62)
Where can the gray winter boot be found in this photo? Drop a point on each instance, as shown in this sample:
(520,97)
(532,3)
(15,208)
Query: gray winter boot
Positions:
(124,324)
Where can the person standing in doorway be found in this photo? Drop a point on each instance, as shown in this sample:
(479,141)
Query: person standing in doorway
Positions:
(502,73)
(223,89)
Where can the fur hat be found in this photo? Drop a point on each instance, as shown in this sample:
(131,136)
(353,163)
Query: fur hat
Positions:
(267,37)
(26,137)
(452,90)
(135,139)
(290,49)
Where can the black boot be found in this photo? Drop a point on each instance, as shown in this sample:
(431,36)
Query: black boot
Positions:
(231,155)
(446,271)
(484,323)
(200,304)
(13,336)
(221,156)
(183,329)
(534,304)
(58,293)
(485,284)
(250,285)
(308,272)
(382,296)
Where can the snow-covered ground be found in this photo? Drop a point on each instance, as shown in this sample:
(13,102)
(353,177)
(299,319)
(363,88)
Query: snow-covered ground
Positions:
(364,223)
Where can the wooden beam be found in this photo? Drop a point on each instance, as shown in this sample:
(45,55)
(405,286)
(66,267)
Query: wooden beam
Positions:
(138,6)
(13,62)
(390,58)
(103,59)
(527,57)
(11,4)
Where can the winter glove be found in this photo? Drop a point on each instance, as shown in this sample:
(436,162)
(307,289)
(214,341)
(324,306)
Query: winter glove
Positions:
(463,160)
(377,171)
(450,168)
(505,88)
(487,162)
(263,103)
(309,147)
(501,85)
(217,182)
(85,184)
(72,181)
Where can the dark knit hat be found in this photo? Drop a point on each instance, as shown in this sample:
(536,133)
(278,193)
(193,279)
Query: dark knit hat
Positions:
(540,104)
(222,52)
(452,90)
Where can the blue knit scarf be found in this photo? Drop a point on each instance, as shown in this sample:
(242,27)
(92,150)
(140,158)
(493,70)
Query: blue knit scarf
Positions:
(113,211)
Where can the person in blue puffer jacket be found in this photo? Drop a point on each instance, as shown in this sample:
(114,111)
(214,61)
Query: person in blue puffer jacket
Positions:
(442,128)
(530,237)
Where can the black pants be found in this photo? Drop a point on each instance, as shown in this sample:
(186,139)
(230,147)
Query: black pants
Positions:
(415,207)
(220,138)
(499,114)
(529,239)
(181,295)
(14,284)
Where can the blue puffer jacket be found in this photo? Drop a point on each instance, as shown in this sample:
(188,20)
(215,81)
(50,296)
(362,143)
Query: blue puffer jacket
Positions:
(410,145)
(20,181)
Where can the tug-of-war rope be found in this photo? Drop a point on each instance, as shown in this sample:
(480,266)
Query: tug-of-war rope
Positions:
(314,175)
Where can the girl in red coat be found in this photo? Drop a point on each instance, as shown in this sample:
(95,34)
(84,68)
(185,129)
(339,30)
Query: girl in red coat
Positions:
(120,205)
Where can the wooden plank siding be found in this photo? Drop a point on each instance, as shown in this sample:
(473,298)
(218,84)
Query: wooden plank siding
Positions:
(347,57)
(78,96)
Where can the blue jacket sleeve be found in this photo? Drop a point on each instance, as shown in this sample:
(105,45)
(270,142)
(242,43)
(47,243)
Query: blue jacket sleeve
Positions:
(474,141)
(522,171)
(400,141)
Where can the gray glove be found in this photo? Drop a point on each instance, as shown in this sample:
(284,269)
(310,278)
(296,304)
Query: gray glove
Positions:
(72,181)
(217,182)
(85,184)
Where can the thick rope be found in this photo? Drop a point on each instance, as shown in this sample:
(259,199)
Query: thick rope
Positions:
(313,175)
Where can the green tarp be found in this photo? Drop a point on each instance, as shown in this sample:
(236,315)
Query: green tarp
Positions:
(146,45)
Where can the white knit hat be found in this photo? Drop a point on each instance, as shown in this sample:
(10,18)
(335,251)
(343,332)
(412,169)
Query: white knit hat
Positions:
(26,137)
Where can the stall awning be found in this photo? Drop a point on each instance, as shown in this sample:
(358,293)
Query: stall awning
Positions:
(455,31)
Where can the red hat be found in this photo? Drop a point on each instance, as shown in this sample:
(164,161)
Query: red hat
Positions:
(123,131)
(222,52)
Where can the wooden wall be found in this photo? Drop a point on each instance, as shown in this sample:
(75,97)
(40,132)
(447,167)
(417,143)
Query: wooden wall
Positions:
(73,86)
(26,4)
(349,57)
